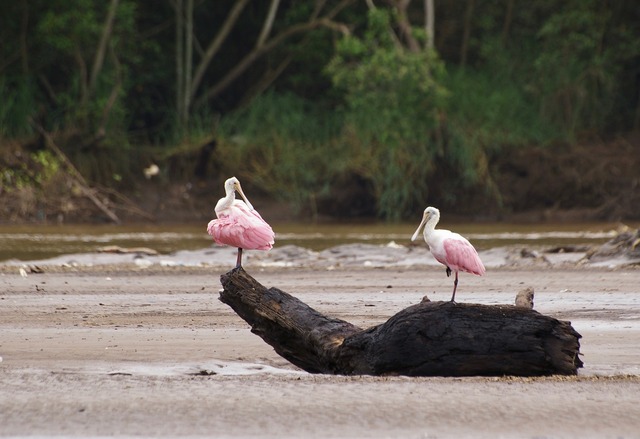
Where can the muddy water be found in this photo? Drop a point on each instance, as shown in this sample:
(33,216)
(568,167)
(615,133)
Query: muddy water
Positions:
(40,242)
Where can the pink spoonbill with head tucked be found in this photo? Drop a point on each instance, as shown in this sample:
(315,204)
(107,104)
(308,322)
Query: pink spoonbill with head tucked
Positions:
(238,223)
(450,249)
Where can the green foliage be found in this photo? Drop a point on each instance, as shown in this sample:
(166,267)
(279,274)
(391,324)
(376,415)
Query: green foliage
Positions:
(495,112)
(362,104)
(283,144)
(38,169)
(16,109)
(388,130)
(49,165)
(392,101)
(71,32)
(580,65)
(71,26)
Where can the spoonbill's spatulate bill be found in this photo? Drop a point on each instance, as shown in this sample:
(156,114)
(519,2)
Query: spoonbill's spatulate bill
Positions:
(450,249)
(238,224)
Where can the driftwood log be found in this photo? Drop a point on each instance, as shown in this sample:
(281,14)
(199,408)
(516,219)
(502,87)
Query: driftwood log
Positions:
(427,339)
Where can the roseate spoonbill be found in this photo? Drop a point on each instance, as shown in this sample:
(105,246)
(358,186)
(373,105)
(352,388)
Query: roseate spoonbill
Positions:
(450,249)
(238,223)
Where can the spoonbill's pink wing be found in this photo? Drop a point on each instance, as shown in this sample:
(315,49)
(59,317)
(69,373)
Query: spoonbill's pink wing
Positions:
(241,227)
(462,256)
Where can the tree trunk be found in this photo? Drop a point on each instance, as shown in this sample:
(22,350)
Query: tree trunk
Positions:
(179,60)
(188,66)
(429,22)
(427,339)
(24,47)
(113,96)
(101,52)
(508,18)
(466,34)
(402,18)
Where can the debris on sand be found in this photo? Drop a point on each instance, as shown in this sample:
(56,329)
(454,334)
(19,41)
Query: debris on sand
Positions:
(524,298)
(126,250)
(625,244)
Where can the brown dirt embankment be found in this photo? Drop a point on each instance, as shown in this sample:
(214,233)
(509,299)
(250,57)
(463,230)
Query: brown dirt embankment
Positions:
(590,181)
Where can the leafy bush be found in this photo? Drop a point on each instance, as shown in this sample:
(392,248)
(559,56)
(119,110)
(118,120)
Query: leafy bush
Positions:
(495,111)
(35,169)
(393,100)
(391,129)
(585,50)
(17,106)
(283,144)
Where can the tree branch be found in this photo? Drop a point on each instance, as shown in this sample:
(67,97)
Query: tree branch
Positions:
(392,34)
(178,5)
(464,48)
(83,76)
(215,45)
(103,45)
(101,132)
(24,47)
(257,52)
(188,64)
(267,79)
(405,25)
(75,174)
(507,22)
(268,23)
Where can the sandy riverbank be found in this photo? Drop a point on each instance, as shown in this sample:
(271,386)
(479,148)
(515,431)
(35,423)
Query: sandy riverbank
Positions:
(148,350)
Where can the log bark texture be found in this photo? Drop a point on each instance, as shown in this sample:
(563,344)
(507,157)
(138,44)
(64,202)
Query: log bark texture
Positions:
(427,339)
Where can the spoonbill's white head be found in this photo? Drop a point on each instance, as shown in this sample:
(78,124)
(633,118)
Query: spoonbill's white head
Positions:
(429,214)
(233,185)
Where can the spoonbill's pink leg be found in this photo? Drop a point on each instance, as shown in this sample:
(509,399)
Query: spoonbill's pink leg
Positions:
(455,286)
(239,260)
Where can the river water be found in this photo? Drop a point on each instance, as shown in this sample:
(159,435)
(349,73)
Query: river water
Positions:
(37,242)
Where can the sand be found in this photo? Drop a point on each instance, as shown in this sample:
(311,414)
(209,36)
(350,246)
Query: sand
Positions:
(149,350)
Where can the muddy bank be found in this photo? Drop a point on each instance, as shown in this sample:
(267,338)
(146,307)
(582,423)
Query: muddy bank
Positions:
(341,256)
(115,351)
(591,181)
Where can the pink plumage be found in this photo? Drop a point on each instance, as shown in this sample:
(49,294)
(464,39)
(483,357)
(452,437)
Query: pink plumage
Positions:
(243,228)
(460,255)
(450,249)
(238,224)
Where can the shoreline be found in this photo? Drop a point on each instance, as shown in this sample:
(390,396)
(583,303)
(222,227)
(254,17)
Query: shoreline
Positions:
(357,255)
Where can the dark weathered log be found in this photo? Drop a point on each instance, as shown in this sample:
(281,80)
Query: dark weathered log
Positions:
(427,339)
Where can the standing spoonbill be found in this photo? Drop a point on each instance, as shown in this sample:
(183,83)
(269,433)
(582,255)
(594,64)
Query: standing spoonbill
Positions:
(238,223)
(450,249)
